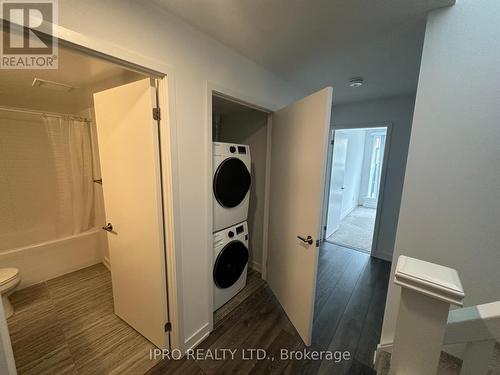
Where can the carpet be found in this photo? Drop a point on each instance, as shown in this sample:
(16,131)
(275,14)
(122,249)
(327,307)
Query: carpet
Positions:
(356,230)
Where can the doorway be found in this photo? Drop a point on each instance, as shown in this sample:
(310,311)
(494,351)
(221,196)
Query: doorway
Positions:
(354,184)
(90,144)
(240,136)
(290,232)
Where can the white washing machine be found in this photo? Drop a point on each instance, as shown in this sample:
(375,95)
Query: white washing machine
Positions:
(230,262)
(231,184)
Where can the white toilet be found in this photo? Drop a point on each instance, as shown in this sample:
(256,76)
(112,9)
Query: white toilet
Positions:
(9,280)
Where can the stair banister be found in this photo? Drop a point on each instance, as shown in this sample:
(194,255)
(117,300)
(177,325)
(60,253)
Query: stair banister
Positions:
(478,327)
(427,291)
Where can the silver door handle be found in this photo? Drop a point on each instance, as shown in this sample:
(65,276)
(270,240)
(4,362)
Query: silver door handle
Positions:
(108,227)
(308,240)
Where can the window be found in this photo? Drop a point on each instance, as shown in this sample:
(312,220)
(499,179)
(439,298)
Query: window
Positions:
(377,139)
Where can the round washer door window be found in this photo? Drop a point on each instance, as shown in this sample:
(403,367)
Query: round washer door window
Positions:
(230,264)
(231,182)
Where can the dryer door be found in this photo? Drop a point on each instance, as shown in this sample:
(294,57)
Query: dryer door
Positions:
(230,264)
(232,181)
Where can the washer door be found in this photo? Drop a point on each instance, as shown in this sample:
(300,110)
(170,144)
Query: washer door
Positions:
(231,182)
(230,264)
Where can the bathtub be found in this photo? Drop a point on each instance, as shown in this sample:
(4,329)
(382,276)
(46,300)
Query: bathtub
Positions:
(44,261)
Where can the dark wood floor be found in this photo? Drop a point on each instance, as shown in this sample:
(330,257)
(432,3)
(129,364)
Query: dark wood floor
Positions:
(350,299)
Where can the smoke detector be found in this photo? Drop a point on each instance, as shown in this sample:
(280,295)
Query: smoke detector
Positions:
(50,85)
(356,82)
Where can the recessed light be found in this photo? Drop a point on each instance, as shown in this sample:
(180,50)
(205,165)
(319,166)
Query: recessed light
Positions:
(356,82)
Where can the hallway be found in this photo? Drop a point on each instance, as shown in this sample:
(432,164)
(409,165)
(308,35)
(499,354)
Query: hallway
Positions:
(350,300)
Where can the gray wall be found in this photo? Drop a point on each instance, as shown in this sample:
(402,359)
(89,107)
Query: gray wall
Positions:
(194,59)
(450,211)
(250,128)
(399,111)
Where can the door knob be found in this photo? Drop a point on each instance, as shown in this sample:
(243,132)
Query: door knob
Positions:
(108,227)
(308,240)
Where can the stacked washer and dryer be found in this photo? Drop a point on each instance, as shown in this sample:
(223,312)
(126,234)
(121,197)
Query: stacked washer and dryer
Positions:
(231,194)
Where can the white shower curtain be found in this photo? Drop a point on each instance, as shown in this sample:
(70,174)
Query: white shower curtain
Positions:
(69,141)
(46,188)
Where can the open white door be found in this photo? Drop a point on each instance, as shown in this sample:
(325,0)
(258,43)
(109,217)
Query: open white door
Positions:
(337,175)
(298,162)
(130,166)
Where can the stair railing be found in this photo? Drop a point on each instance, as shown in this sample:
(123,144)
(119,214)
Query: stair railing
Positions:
(424,322)
(479,328)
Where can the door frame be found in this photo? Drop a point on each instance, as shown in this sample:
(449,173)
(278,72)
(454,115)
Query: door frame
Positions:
(326,191)
(214,89)
(375,124)
(165,76)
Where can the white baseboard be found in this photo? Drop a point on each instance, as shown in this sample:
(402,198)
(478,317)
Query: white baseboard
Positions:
(342,217)
(382,255)
(256,266)
(105,261)
(386,347)
(196,338)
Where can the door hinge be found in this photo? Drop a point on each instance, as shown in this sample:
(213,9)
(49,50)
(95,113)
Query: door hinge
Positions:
(168,327)
(156,114)
(331,142)
(324,228)
(317,243)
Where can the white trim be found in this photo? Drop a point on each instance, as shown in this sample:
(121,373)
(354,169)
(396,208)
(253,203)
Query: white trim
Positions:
(380,198)
(348,212)
(111,51)
(106,263)
(209,89)
(197,337)
(433,280)
(381,189)
(326,193)
(171,209)
(213,89)
(256,266)
(267,194)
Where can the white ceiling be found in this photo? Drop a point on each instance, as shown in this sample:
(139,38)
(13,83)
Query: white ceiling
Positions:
(315,43)
(87,74)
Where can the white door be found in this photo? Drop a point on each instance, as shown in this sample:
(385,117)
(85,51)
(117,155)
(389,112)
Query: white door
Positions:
(337,175)
(129,153)
(298,155)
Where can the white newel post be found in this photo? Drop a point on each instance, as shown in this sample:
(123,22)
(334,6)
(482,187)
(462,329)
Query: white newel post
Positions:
(427,291)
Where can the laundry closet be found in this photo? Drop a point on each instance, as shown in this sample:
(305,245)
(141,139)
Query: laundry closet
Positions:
(267,184)
(239,151)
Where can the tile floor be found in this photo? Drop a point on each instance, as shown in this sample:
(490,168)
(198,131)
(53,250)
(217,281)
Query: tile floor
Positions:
(67,326)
